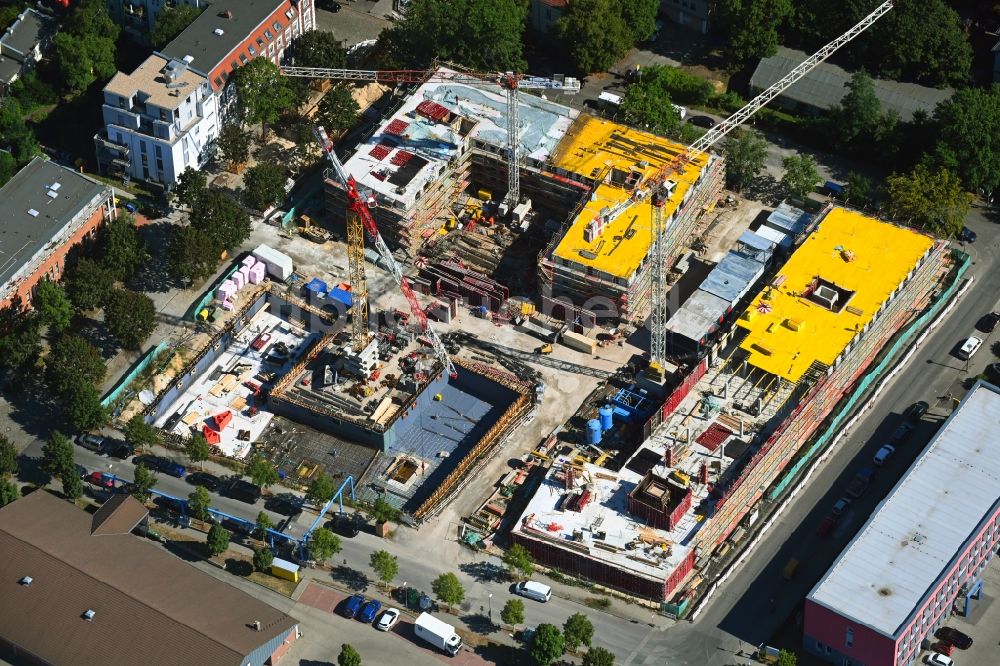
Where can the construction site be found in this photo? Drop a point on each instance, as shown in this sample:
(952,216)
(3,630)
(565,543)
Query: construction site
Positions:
(669,519)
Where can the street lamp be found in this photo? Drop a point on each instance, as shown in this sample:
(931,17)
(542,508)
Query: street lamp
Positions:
(490,598)
(406,596)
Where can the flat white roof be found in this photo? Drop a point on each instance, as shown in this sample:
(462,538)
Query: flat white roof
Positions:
(898,557)
(400,178)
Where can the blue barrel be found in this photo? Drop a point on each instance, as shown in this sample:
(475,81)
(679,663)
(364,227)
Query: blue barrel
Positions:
(607,414)
(593,431)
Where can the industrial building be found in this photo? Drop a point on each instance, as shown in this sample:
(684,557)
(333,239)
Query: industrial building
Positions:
(78,585)
(48,211)
(921,556)
(667,516)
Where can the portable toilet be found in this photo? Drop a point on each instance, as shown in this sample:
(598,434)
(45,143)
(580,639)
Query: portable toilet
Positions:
(593,431)
(285,569)
(607,415)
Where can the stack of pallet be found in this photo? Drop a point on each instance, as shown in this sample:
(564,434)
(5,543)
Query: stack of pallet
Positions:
(477,290)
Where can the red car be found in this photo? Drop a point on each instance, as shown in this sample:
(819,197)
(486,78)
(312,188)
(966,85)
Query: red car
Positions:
(826,527)
(260,341)
(100,480)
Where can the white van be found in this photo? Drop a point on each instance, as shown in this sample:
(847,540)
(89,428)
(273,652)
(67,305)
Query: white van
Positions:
(534,590)
(970,347)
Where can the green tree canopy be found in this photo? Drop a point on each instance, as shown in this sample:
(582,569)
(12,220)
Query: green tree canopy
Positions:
(141,434)
(15,135)
(858,189)
(234,142)
(72,485)
(513,612)
(930,200)
(88,284)
(480,34)
(142,483)
(20,337)
(53,306)
(217,540)
(198,503)
(219,217)
(787,658)
(752,26)
(82,409)
(547,644)
(262,472)
(595,33)
(197,448)
(324,544)
(317,48)
(746,153)
(8,457)
(348,656)
(448,589)
(130,316)
(264,523)
(193,183)
(57,454)
(170,22)
(85,46)
(192,254)
(968,137)
(72,359)
(8,492)
(518,560)
(321,490)
(262,558)
(649,106)
(922,41)
(859,113)
(338,112)
(263,93)
(578,630)
(385,565)
(8,167)
(263,186)
(123,251)
(640,17)
(801,174)
(598,656)
(383,512)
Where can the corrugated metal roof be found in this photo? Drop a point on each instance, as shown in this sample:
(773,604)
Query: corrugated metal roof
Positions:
(826,85)
(775,236)
(698,316)
(789,219)
(904,550)
(754,245)
(733,277)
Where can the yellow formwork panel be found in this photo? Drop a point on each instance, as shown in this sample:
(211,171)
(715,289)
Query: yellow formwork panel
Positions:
(590,147)
(787,331)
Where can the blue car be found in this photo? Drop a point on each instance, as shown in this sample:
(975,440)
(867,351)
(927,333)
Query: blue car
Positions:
(369,611)
(353,605)
(967,235)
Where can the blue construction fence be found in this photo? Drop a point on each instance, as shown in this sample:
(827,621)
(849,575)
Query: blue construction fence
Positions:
(127,379)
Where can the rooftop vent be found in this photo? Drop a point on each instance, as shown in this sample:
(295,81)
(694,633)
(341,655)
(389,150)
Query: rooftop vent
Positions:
(52,194)
(219,32)
(26,580)
(55,186)
(32,212)
(228,14)
(188,59)
(88,615)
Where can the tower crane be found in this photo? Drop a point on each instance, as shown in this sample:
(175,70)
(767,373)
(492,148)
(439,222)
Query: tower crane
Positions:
(659,185)
(358,206)
(510,82)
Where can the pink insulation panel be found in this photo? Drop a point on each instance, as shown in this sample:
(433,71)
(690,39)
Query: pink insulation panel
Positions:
(227,305)
(239,280)
(249,260)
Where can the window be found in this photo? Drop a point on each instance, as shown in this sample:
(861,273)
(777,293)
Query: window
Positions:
(159,165)
(234,65)
(158,150)
(277,26)
(142,147)
(252,51)
(121,102)
(267,33)
(225,77)
(849,638)
(243,59)
(218,80)
(260,43)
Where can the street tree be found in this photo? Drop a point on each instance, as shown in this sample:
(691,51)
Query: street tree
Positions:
(577,630)
(8,492)
(306,150)
(219,217)
(385,565)
(448,589)
(197,448)
(263,186)
(598,656)
(71,360)
(324,544)
(317,48)
(321,490)
(801,175)
(81,59)
(383,512)
(8,457)
(640,17)
(123,251)
(53,306)
(170,22)
(217,540)
(264,523)
(924,41)
(262,471)
(20,337)
(338,111)
(966,126)
(234,144)
(595,33)
(751,27)
(57,454)
(142,483)
(859,113)
(198,503)
(130,316)
(650,106)
(263,93)
(192,254)
(348,656)
(787,658)
(262,558)
(745,153)
(547,644)
(518,560)
(72,485)
(930,200)
(141,434)
(513,612)
(88,284)
(81,405)
(479,34)
(858,189)
(191,184)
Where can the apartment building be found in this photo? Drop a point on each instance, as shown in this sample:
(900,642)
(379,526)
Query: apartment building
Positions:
(23,44)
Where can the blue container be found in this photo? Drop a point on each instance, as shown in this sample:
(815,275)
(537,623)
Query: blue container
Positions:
(593,431)
(316,285)
(341,295)
(607,414)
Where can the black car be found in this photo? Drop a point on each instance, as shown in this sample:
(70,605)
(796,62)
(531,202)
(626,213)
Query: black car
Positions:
(702,121)
(967,235)
(993,373)
(344,524)
(244,491)
(116,448)
(989,322)
(237,526)
(286,506)
(901,433)
(203,479)
(955,637)
(329,5)
(161,464)
(916,411)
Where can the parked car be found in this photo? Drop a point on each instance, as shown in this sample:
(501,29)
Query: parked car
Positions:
(938,659)
(237,526)
(115,448)
(841,506)
(388,620)
(93,443)
(352,606)
(993,372)
(951,635)
(534,590)
(286,506)
(859,484)
(343,524)
(328,5)
(702,121)
(161,464)
(100,480)
(901,433)
(916,411)
(369,611)
(884,454)
(826,527)
(969,347)
(203,479)
(82,471)
(988,323)
(967,235)
(244,491)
